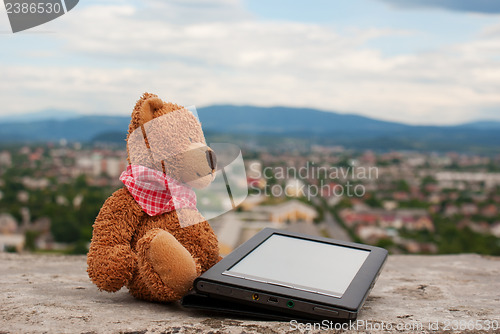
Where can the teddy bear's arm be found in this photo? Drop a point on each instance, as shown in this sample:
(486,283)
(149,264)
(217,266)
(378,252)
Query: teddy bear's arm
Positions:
(110,260)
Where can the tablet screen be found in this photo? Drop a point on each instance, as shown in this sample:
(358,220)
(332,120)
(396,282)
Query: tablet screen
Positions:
(301,264)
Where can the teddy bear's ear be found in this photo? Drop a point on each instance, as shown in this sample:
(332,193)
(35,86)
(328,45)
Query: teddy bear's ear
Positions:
(149,108)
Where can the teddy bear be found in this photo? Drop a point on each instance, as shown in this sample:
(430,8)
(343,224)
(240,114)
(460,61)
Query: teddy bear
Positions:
(156,246)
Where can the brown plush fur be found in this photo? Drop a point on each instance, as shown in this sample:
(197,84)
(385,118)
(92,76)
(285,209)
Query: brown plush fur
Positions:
(154,257)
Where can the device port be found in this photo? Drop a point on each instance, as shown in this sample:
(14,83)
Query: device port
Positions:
(290,304)
(272,300)
(255,296)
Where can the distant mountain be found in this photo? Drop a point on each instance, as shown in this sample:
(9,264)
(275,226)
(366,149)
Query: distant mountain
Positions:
(47,114)
(257,123)
(83,128)
(347,129)
(294,121)
(486,125)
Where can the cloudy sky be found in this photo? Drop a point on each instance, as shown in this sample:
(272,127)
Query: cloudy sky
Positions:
(412,61)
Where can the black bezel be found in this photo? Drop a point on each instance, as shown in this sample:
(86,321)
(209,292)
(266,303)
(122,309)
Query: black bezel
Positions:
(351,300)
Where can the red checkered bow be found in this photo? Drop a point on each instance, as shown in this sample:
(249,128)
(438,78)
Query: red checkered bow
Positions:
(156,192)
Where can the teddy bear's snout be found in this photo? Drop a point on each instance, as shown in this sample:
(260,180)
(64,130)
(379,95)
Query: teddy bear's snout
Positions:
(202,154)
(212,159)
(199,164)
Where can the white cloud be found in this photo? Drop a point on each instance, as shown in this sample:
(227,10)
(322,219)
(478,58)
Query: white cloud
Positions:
(215,52)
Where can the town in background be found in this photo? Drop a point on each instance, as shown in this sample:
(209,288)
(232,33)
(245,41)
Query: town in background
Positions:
(404,201)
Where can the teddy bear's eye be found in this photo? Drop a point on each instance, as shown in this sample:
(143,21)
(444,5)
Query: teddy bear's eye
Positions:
(190,139)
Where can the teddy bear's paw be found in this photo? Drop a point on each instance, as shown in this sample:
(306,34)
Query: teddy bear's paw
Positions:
(172,262)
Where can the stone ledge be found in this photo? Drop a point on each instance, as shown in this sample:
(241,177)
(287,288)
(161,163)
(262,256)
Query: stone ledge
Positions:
(47,294)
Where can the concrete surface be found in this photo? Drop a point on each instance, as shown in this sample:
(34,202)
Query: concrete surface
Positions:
(52,294)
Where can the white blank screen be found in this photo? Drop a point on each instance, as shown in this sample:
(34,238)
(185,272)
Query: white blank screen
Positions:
(303,264)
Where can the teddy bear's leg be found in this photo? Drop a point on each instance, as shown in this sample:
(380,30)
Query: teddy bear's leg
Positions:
(165,271)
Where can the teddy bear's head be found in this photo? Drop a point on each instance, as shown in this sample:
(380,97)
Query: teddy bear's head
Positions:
(167,137)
